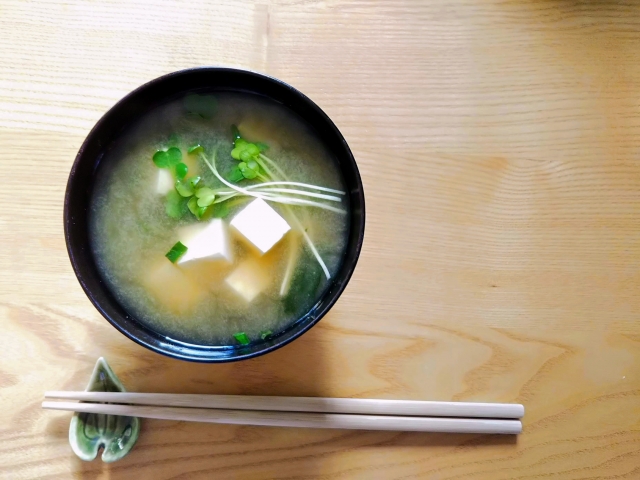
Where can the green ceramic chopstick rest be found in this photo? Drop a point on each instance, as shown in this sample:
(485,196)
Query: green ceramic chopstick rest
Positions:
(89,432)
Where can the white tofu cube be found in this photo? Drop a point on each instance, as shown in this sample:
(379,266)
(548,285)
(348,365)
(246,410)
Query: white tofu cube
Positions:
(260,225)
(171,287)
(164,182)
(249,279)
(206,242)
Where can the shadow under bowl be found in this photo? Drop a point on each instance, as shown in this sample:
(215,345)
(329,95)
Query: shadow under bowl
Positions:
(115,122)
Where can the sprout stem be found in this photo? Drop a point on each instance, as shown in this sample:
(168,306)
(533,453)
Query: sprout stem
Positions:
(312,247)
(277,199)
(274,165)
(297,184)
(300,192)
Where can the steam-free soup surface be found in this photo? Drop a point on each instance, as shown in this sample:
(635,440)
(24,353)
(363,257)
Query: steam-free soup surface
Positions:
(149,214)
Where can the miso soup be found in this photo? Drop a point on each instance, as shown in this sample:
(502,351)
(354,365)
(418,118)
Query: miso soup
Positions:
(218,218)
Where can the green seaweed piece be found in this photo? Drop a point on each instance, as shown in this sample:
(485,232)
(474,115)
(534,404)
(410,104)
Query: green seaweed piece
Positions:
(89,432)
(174,140)
(221,210)
(235,175)
(175,204)
(204,106)
(305,284)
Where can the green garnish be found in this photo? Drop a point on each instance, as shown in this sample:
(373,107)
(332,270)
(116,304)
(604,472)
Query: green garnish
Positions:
(203,202)
(184,188)
(205,196)
(200,200)
(192,205)
(266,334)
(249,170)
(196,149)
(253,164)
(181,171)
(242,338)
(235,133)
(236,175)
(167,158)
(220,210)
(244,150)
(204,106)
(304,285)
(175,204)
(176,252)
(198,212)
(248,154)
(203,212)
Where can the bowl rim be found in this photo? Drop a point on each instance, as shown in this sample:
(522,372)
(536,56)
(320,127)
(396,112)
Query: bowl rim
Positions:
(346,269)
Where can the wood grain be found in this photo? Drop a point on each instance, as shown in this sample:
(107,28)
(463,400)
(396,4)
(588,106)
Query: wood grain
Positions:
(499,145)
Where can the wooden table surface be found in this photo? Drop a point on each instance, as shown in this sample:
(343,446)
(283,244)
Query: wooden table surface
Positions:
(499,145)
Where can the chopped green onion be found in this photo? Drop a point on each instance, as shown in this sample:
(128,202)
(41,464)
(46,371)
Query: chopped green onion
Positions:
(184,188)
(264,335)
(176,252)
(242,338)
(197,148)
(205,196)
(181,170)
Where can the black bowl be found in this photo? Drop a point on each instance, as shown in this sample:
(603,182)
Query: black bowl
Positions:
(132,107)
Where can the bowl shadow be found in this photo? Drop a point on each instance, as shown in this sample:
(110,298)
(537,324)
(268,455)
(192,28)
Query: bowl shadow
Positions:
(168,449)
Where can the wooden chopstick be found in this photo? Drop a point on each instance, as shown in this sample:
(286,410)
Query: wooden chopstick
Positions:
(299,419)
(304,404)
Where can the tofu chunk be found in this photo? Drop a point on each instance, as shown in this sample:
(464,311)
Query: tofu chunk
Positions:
(164,181)
(171,287)
(206,242)
(249,279)
(256,130)
(260,225)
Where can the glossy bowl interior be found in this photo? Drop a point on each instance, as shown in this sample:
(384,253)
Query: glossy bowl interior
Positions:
(116,121)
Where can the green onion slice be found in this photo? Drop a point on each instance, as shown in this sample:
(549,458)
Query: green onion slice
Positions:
(176,252)
(242,338)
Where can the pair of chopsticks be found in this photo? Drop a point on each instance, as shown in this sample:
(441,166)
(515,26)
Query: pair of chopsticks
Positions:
(309,412)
